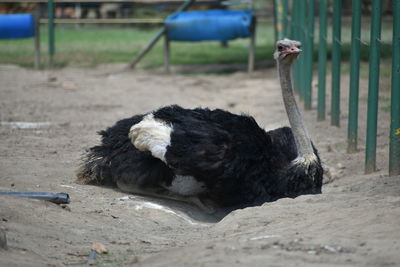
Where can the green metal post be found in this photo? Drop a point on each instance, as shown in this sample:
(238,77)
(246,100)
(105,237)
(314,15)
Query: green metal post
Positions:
(301,60)
(285,17)
(293,25)
(323,19)
(309,56)
(279,19)
(295,35)
(52,50)
(373,87)
(352,126)
(37,36)
(336,58)
(394,150)
(275,10)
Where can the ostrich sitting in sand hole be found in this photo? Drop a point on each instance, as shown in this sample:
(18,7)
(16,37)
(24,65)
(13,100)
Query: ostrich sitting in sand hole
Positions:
(207,156)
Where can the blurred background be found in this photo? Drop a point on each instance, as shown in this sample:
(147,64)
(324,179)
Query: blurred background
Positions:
(122,29)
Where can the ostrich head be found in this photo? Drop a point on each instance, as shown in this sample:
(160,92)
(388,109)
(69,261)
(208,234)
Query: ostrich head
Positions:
(287,51)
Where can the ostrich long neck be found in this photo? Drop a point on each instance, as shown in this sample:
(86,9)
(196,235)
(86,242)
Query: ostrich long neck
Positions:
(302,139)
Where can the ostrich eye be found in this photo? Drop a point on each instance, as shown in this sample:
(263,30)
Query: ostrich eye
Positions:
(299,46)
(280,48)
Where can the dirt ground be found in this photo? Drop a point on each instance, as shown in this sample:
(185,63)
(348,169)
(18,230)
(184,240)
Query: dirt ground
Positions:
(49,118)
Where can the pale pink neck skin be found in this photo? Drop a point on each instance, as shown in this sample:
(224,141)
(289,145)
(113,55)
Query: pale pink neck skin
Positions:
(286,54)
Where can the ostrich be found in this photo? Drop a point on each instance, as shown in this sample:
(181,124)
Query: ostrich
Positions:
(211,158)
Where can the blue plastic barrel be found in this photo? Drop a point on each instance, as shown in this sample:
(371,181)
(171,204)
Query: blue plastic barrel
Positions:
(209,25)
(15,26)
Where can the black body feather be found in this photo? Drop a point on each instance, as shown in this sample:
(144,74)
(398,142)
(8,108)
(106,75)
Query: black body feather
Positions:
(240,163)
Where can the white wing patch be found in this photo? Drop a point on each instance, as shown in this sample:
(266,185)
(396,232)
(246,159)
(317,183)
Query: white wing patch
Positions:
(186,186)
(152,135)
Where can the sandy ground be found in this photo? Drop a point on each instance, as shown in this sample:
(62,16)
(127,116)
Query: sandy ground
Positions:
(355,222)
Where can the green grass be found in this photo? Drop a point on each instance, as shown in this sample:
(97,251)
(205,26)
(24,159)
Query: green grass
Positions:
(91,45)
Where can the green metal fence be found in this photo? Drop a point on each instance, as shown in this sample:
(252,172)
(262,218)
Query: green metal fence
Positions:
(322,51)
(352,130)
(394,147)
(373,87)
(336,60)
(52,48)
(300,15)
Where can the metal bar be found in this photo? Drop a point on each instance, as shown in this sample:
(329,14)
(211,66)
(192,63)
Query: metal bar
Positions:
(373,87)
(336,58)
(323,21)
(352,126)
(105,1)
(309,58)
(293,20)
(160,33)
(279,18)
(252,46)
(301,60)
(105,21)
(394,148)
(275,10)
(166,53)
(50,10)
(155,39)
(295,33)
(285,18)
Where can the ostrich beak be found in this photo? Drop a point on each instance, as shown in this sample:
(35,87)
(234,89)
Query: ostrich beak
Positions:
(292,50)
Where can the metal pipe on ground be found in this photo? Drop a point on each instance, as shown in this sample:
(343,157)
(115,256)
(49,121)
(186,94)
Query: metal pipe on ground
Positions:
(58,198)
